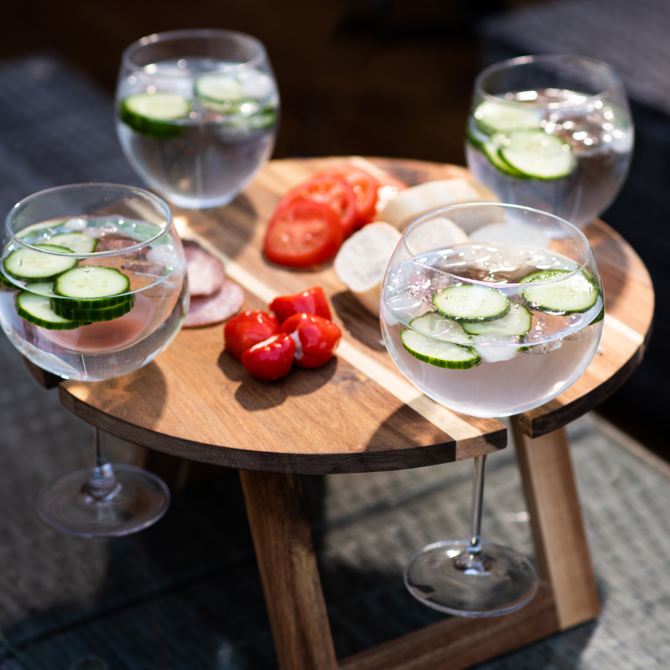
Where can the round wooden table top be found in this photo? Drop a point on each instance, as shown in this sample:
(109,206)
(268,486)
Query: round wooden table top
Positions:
(357,413)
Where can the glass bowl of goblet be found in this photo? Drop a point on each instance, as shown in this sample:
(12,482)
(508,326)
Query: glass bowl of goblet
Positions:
(553,132)
(197,113)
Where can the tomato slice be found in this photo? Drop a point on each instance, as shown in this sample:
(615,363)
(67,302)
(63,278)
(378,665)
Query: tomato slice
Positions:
(365,190)
(330,190)
(303,233)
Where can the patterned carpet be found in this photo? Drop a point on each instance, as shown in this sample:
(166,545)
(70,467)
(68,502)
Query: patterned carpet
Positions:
(186,594)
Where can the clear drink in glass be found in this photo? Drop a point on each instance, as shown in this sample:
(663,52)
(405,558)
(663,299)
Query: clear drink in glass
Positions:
(197,113)
(551,132)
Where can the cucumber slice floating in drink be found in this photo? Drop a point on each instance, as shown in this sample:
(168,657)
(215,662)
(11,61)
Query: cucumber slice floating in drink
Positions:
(221,93)
(537,154)
(65,309)
(93,286)
(470,303)
(573,295)
(495,117)
(78,243)
(438,352)
(36,309)
(542,275)
(515,324)
(435,325)
(32,265)
(150,113)
(493,154)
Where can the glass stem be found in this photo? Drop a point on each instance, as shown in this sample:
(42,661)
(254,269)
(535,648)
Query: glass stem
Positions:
(102,484)
(472,560)
(477,504)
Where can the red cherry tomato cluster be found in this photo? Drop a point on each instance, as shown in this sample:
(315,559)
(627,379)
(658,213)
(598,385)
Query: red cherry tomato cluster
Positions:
(314,218)
(300,333)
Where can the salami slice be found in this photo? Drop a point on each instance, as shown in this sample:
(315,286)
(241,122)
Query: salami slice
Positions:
(208,310)
(205,273)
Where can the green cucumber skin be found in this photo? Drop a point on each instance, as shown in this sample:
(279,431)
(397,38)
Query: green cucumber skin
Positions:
(42,323)
(66,277)
(150,128)
(91,241)
(6,283)
(548,309)
(437,362)
(471,319)
(63,309)
(600,317)
(511,150)
(495,157)
(91,304)
(542,275)
(33,277)
(487,327)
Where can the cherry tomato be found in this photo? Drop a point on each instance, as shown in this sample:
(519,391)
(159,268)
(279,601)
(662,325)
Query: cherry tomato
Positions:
(329,190)
(270,359)
(302,234)
(387,189)
(315,339)
(365,190)
(247,329)
(311,301)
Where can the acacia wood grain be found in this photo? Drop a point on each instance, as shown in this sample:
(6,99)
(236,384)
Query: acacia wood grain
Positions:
(458,643)
(290,577)
(358,413)
(561,545)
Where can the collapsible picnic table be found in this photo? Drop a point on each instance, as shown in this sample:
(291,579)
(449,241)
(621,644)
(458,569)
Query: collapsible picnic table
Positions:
(358,413)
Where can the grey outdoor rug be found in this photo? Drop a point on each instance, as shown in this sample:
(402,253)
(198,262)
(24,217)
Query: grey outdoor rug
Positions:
(186,594)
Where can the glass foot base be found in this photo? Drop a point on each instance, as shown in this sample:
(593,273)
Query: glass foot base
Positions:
(504,581)
(139,501)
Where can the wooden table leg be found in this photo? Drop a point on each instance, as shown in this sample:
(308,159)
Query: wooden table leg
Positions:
(283,543)
(561,545)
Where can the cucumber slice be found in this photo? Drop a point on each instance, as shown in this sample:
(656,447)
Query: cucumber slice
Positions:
(472,139)
(435,325)
(93,281)
(149,114)
(78,243)
(538,154)
(600,317)
(43,288)
(221,93)
(492,152)
(573,295)
(470,303)
(438,352)
(30,264)
(515,324)
(496,117)
(542,275)
(37,310)
(38,228)
(63,308)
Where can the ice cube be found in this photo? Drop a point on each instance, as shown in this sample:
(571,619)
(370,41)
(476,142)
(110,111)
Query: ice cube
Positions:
(495,354)
(163,254)
(542,349)
(75,224)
